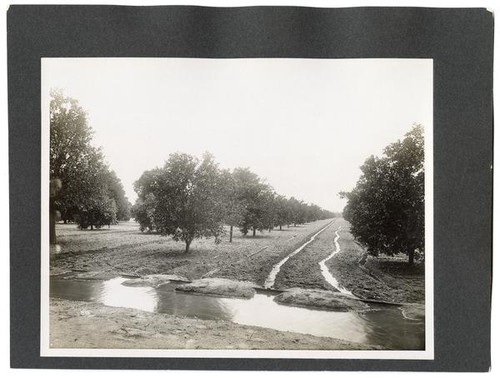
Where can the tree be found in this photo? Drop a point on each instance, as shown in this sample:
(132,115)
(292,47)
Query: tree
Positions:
(267,202)
(70,150)
(88,192)
(386,208)
(187,196)
(101,211)
(95,205)
(283,213)
(297,211)
(143,212)
(234,207)
(250,192)
(117,192)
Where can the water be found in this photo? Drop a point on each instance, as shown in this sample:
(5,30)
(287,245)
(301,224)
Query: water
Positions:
(386,326)
(326,272)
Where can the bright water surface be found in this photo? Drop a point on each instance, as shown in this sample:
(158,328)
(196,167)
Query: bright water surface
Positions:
(386,326)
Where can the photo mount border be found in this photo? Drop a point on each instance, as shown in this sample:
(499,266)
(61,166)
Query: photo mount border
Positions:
(424,65)
(460,41)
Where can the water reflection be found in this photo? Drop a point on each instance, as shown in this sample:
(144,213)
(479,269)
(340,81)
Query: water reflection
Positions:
(76,290)
(182,304)
(390,325)
(263,311)
(386,326)
(114,294)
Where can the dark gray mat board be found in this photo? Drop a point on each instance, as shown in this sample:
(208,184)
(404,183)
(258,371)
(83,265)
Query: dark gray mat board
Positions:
(459,40)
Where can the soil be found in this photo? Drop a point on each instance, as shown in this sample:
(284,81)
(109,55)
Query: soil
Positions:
(155,280)
(219,287)
(302,270)
(150,259)
(124,250)
(93,325)
(323,299)
(383,278)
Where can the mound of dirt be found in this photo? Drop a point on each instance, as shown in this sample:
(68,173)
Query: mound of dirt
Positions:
(220,287)
(155,280)
(327,300)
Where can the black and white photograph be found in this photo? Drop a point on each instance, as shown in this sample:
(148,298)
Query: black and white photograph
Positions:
(237,207)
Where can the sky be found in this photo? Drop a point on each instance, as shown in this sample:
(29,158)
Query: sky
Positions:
(303,125)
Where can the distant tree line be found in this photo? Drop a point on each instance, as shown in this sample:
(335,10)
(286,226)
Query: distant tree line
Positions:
(83,188)
(386,209)
(189,198)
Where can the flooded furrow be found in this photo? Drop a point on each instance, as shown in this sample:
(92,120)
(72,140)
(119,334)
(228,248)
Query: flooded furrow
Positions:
(270,280)
(326,272)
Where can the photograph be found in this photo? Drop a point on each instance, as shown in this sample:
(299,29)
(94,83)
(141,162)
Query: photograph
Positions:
(264,208)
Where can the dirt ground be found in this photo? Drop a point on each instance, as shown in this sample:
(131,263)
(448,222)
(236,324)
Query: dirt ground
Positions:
(383,278)
(92,325)
(302,270)
(123,249)
(387,279)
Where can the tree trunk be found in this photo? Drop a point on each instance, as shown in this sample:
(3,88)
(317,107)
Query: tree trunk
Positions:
(254,231)
(188,243)
(91,227)
(52,226)
(230,234)
(281,228)
(411,256)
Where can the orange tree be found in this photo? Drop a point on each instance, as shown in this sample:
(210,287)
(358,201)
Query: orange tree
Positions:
(386,208)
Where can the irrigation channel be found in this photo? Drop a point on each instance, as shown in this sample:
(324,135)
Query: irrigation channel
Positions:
(276,268)
(326,272)
(384,325)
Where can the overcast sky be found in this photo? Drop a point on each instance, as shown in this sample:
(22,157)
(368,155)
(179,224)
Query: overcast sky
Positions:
(305,125)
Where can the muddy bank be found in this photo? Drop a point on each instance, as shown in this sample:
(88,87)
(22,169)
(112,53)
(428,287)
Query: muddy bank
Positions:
(155,280)
(323,299)
(381,278)
(219,287)
(91,325)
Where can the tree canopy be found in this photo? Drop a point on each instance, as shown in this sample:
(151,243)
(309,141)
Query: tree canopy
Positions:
(190,198)
(386,208)
(183,199)
(90,193)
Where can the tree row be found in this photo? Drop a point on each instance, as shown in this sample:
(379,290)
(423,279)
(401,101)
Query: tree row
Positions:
(191,198)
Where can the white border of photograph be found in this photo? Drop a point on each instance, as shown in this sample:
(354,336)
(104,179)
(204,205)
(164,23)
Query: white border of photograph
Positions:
(47,351)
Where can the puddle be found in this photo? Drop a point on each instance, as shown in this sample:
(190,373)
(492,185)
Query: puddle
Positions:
(386,326)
